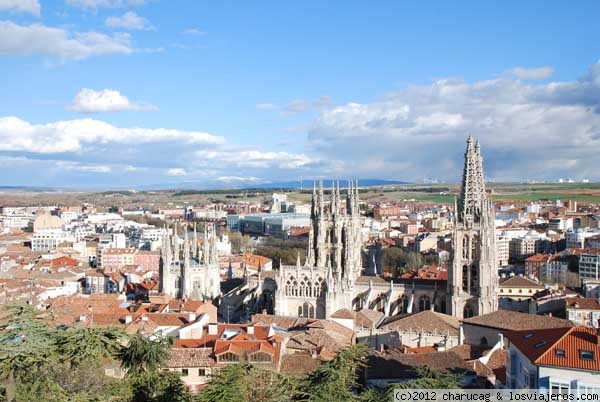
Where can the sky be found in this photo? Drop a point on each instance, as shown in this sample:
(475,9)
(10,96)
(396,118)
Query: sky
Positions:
(131,93)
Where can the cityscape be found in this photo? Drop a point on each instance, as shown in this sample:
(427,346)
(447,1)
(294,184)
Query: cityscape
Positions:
(259,202)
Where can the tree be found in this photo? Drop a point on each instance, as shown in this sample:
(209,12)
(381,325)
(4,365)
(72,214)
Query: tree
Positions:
(155,386)
(337,379)
(143,355)
(26,343)
(92,343)
(428,378)
(229,385)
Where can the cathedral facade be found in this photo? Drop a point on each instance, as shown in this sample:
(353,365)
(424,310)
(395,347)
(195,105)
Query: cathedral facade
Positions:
(332,277)
(190,268)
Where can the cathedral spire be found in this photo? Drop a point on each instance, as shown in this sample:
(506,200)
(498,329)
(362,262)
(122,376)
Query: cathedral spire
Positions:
(473,186)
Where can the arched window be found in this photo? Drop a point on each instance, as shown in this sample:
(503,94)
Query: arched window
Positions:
(306,310)
(424,303)
(403,307)
(468,311)
(483,342)
(229,357)
(261,357)
(474,276)
(465,247)
(443,306)
(465,278)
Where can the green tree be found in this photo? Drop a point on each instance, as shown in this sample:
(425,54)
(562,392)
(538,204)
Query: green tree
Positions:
(337,379)
(26,343)
(155,386)
(428,378)
(92,343)
(143,355)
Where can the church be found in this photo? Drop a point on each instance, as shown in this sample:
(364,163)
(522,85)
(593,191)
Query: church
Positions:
(191,269)
(332,277)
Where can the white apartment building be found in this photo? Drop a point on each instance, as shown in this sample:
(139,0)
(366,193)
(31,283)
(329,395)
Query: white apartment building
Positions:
(47,239)
(589,265)
(576,238)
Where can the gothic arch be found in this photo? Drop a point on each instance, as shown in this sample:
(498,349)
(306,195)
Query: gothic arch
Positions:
(424,303)
(468,311)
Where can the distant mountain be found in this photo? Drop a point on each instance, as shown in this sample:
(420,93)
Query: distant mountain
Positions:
(327,183)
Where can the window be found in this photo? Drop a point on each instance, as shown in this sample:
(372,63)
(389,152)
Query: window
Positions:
(539,344)
(229,357)
(261,357)
(184,372)
(558,388)
(529,335)
(560,353)
(586,354)
(202,372)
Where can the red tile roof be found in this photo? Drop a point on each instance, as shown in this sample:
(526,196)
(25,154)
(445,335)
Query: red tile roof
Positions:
(559,347)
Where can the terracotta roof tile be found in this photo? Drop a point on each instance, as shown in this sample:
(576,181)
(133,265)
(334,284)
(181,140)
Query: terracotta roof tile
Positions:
(511,320)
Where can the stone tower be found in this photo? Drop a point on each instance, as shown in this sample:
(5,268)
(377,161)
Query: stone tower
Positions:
(473,277)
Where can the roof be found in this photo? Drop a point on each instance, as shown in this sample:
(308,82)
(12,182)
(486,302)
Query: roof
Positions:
(394,364)
(344,313)
(185,357)
(299,364)
(512,320)
(538,258)
(424,321)
(518,281)
(582,303)
(559,347)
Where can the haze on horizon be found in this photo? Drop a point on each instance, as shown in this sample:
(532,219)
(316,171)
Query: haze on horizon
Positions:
(117,93)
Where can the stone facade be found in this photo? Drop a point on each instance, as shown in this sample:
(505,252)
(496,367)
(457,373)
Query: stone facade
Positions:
(473,277)
(190,270)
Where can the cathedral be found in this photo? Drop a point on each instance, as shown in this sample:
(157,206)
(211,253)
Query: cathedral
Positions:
(191,269)
(332,277)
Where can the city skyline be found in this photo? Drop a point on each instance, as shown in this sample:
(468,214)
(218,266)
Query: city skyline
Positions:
(118,93)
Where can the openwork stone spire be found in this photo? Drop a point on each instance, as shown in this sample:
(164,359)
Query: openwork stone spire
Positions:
(473,185)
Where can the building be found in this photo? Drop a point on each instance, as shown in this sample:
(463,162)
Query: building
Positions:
(332,276)
(558,360)
(191,270)
(265,224)
(517,292)
(589,265)
(502,250)
(473,278)
(583,311)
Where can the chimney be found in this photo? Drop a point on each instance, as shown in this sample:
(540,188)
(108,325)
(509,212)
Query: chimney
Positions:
(191,317)
(213,329)
(128,319)
(250,329)
(461,335)
(82,318)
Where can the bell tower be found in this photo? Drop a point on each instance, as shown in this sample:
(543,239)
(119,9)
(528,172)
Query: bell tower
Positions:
(473,277)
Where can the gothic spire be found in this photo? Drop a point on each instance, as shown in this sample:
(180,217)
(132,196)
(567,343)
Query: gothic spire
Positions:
(473,187)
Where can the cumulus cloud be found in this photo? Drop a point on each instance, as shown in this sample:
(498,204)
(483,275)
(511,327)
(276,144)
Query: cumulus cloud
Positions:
(256,159)
(301,105)
(39,39)
(129,20)
(527,130)
(176,172)
(21,6)
(72,135)
(96,4)
(540,73)
(107,100)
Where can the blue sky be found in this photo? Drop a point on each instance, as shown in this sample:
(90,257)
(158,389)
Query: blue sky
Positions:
(112,93)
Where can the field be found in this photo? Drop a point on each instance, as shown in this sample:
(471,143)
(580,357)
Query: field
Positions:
(439,193)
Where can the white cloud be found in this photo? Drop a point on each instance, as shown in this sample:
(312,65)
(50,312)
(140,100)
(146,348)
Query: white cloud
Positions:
(96,4)
(193,31)
(176,172)
(72,135)
(420,131)
(229,179)
(129,20)
(39,39)
(86,168)
(107,100)
(540,73)
(256,159)
(266,106)
(21,6)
